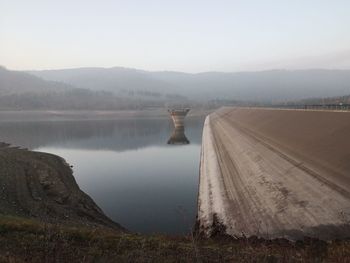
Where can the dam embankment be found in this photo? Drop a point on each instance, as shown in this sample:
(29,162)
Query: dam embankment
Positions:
(275,173)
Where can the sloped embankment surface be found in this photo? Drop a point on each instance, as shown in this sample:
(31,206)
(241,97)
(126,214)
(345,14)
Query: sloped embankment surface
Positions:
(41,185)
(275,173)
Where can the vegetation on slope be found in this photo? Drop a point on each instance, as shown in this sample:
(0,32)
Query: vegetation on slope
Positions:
(28,240)
(23,91)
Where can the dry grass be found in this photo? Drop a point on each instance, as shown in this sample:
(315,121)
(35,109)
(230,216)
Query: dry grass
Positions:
(27,240)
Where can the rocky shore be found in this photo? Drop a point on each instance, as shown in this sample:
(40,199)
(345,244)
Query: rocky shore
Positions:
(41,186)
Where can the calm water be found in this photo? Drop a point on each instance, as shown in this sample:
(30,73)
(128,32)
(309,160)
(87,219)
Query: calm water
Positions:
(126,166)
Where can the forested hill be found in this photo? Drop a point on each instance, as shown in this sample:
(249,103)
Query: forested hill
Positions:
(120,88)
(263,86)
(16,82)
(24,91)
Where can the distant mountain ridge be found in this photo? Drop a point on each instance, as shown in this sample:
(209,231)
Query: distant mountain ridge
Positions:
(268,86)
(24,91)
(122,88)
(17,82)
(109,79)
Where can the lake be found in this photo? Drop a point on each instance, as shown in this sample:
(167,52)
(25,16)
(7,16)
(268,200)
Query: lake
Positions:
(125,165)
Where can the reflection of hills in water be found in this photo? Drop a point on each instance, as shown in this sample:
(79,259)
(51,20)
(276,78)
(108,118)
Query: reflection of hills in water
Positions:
(178,136)
(117,135)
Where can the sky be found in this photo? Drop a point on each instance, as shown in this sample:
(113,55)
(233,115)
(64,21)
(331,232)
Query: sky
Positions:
(178,35)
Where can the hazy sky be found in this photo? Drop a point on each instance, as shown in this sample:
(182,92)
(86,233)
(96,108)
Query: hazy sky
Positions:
(184,35)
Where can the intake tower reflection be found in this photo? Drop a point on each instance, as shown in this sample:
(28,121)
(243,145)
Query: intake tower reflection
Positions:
(178,136)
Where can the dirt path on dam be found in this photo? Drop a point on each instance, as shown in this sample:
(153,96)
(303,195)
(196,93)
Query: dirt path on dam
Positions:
(275,173)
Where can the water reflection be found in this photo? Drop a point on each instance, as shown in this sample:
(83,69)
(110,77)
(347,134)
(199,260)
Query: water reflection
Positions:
(178,136)
(116,135)
(125,166)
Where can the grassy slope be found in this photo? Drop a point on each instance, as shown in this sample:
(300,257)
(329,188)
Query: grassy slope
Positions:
(31,241)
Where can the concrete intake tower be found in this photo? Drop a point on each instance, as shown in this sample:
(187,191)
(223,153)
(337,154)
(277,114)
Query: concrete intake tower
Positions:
(178,136)
(178,116)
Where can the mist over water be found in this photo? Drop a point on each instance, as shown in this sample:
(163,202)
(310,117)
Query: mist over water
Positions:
(126,166)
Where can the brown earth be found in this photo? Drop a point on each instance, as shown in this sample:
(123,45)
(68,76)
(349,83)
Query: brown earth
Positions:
(41,185)
(320,137)
(276,173)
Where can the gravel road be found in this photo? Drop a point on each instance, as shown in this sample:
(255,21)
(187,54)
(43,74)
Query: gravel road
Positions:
(275,173)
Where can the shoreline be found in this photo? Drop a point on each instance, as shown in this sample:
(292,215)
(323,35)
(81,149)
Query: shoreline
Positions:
(41,186)
(50,115)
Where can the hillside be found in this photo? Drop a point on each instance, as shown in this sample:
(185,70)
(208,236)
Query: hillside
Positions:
(41,186)
(267,86)
(16,82)
(23,91)
(327,100)
(121,88)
